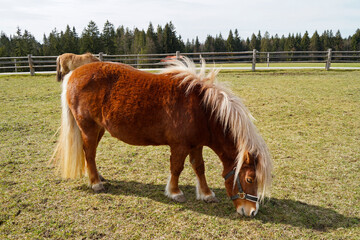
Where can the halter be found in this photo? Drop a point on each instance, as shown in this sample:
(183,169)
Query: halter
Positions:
(241,194)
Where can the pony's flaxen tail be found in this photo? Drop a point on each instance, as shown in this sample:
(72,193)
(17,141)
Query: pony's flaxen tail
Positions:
(58,70)
(69,154)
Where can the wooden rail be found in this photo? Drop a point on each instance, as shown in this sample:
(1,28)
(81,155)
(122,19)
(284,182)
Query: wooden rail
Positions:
(31,64)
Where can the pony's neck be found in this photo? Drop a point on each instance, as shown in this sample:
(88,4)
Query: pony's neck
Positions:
(223,145)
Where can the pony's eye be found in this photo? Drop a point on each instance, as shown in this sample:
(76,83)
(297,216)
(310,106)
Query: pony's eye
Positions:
(249,180)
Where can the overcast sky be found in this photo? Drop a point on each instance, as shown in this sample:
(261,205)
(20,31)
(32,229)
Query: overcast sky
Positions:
(190,17)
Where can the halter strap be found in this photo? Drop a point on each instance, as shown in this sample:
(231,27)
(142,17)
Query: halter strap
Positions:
(241,194)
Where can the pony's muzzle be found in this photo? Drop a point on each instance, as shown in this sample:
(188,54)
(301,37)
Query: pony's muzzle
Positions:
(248,210)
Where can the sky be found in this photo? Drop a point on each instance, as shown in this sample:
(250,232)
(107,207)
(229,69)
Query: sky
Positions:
(191,18)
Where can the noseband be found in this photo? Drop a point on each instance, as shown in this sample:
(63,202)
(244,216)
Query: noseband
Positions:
(241,194)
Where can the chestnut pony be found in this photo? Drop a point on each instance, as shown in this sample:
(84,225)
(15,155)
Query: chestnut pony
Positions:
(69,61)
(179,107)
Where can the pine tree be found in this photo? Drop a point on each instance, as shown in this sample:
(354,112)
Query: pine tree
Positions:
(69,41)
(238,46)
(253,42)
(197,45)
(170,41)
(305,42)
(220,45)
(275,43)
(265,45)
(5,46)
(209,45)
(151,40)
(108,38)
(355,41)
(315,44)
(90,39)
(338,42)
(230,42)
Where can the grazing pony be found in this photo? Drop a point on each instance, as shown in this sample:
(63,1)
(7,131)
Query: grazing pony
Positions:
(69,61)
(179,107)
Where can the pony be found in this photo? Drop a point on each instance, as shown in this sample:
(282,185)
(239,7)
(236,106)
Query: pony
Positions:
(69,61)
(181,107)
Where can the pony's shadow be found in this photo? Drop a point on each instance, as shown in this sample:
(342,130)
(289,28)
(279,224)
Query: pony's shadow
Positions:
(285,211)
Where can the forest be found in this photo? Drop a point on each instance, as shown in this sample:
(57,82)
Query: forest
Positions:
(165,39)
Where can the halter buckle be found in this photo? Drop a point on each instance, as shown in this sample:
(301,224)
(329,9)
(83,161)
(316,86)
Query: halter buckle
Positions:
(241,195)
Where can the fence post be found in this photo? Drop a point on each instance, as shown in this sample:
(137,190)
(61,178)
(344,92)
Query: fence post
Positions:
(31,65)
(137,61)
(15,65)
(268,59)
(328,62)
(253,60)
(177,55)
(101,57)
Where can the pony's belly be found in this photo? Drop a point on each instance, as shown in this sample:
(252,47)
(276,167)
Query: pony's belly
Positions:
(138,136)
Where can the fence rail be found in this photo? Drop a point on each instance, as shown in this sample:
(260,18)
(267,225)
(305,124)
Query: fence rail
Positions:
(31,64)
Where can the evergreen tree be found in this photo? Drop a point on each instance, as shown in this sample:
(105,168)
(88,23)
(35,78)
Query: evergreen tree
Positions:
(209,45)
(197,45)
(315,44)
(151,40)
(230,42)
(265,45)
(275,43)
(220,45)
(338,42)
(5,46)
(160,39)
(297,42)
(253,42)
(170,41)
(69,41)
(290,43)
(90,39)
(326,39)
(189,47)
(355,41)
(238,46)
(119,37)
(282,43)
(138,45)
(108,38)
(305,42)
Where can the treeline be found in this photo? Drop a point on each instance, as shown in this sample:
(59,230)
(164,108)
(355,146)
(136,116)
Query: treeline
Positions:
(165,39)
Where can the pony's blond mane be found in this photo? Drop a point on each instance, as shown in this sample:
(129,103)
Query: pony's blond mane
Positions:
(231,113)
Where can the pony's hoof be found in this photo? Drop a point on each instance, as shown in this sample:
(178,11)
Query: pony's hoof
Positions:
(211,199)
(98,188)
(179,198)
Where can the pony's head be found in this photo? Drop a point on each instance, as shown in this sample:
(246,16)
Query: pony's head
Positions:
(247,183)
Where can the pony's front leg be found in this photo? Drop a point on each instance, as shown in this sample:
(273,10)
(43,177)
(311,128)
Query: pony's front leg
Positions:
(177,159)
(203,191)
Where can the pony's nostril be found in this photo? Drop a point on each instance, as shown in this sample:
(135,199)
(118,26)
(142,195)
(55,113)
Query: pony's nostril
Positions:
(252,214)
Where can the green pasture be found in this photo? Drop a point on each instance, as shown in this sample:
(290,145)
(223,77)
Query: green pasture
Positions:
(288,64)
(310,120)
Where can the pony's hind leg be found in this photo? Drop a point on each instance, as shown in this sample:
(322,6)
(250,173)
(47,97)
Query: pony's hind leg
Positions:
(91,137)
(177,159)
(203,192)
(101,134)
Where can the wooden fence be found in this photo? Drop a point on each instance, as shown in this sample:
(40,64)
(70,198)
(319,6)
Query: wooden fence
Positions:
(31,64)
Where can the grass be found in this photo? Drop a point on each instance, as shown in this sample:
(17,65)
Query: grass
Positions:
(289,64)
(309,118)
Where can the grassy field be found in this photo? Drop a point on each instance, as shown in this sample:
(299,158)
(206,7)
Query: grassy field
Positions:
(309,118)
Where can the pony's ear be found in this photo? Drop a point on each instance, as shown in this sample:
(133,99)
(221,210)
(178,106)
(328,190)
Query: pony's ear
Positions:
(247,159)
